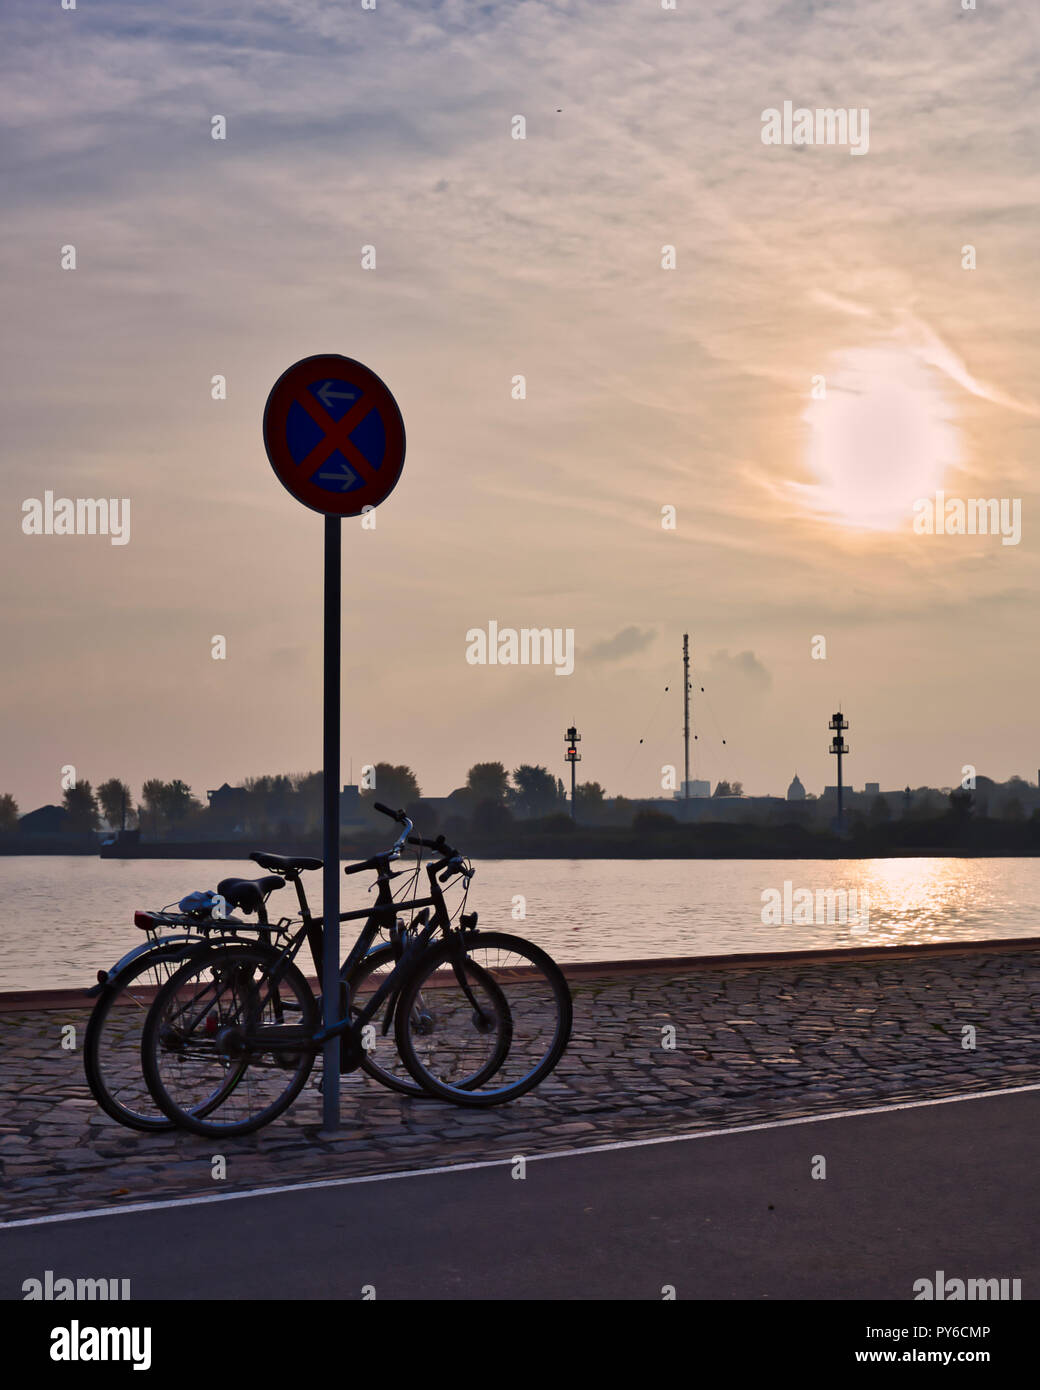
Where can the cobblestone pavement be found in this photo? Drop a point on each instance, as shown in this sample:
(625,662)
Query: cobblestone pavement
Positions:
(750,1043)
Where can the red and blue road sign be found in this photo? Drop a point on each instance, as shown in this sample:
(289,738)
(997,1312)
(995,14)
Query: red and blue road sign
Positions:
(334,435)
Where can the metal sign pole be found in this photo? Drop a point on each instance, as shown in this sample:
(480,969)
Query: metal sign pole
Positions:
(335,439)
(330,839)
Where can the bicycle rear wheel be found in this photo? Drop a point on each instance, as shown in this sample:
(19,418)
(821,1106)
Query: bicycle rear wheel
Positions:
(218,1049)
(112,1042)
(452,1059)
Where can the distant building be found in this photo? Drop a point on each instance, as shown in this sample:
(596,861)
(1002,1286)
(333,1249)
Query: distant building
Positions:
(872,789)
(796,792)
(227,799)
(350,808)
(696,788)
(45,820)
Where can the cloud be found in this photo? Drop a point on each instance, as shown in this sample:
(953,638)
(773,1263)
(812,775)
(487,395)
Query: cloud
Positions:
(624,643)
(935,353)
(918,337)
(744,669)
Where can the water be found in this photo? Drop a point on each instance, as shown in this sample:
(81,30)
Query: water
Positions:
(64,917)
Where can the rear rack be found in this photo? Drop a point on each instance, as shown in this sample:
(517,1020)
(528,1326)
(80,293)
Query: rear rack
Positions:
(153,921)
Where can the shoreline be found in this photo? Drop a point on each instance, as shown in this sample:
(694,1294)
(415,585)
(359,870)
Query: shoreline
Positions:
(12,1001)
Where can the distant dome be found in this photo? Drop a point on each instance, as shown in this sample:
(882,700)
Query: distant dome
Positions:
(796,792)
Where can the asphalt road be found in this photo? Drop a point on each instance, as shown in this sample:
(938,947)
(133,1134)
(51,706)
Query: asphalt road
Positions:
(946,1187)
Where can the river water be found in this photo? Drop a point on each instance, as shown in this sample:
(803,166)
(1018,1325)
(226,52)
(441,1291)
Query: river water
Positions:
(61,918)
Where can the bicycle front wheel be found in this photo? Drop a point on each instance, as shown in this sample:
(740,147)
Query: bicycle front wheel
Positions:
(227,1046)
(476,1050)
(379,1055)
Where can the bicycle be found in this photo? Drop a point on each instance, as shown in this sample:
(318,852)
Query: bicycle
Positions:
(125,992)
(221,1055)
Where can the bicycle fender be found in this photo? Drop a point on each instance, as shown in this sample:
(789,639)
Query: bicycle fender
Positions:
(164,942)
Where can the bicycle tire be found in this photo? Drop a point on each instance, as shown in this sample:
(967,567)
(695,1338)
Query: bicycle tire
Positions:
(119,1087)
(375,1060)
(540,1019)
(170,1033)
(400,1079)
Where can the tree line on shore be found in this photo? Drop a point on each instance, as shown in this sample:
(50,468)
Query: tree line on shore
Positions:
(293,801)
(492,800)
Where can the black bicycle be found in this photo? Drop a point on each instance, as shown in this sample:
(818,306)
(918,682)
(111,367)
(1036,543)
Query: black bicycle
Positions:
(478,1018)
(125,992)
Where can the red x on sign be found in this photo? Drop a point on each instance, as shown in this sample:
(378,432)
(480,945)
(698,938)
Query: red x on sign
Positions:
(334,435)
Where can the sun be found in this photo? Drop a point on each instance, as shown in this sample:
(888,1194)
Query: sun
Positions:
(882,437)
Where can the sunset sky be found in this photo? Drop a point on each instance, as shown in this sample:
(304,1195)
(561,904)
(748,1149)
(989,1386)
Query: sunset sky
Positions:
(646,388)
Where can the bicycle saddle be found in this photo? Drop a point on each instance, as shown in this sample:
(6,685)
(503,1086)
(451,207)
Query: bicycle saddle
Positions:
(285,863)
(247,894)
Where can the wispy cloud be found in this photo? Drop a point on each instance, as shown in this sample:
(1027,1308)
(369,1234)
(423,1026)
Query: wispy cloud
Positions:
(742,671)
(627,642)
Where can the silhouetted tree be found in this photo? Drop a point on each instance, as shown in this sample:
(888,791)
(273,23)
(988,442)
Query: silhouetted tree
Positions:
(395,786)
(308,787)
(166,804)
(178,802)
(8,812)
(115,800)
(271,801)
(535,791)
(81,804)
(151,802)
(488,782)
(588,795)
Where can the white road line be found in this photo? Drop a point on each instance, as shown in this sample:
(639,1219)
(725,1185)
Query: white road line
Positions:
(505,1162)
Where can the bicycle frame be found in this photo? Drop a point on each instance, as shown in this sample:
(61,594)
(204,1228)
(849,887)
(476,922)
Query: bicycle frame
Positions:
(383,912)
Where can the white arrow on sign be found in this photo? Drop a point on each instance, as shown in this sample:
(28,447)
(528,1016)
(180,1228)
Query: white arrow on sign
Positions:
(345,477)
(326,394)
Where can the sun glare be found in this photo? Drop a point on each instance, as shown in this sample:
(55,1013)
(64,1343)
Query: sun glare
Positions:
(880,439)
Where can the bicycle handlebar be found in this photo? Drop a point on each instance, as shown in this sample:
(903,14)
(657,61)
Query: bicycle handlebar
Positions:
(451,862)
(380,861)
(440,845)
(456,865)
(373,863)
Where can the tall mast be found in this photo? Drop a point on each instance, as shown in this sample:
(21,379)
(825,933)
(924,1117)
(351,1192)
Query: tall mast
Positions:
(686,710)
